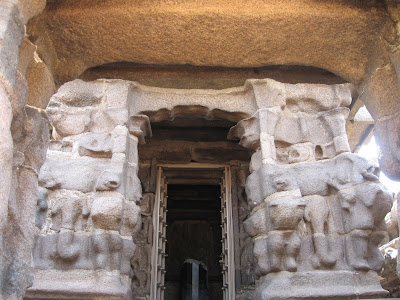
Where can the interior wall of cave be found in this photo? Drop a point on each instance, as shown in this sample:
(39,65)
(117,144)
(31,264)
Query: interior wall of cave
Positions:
(32,63)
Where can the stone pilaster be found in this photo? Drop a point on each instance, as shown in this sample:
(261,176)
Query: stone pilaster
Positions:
(317,210)
(90,195)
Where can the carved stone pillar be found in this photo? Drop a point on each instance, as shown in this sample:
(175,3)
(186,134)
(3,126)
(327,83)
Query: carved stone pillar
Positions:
(90,190)
(316,210)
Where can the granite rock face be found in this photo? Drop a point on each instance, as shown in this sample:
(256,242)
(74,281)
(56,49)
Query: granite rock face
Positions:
(23,143)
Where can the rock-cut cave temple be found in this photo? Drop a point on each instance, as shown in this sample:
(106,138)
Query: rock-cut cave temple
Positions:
(181,149)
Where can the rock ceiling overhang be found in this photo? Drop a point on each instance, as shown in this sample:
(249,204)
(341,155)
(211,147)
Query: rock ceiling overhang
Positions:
(339,36)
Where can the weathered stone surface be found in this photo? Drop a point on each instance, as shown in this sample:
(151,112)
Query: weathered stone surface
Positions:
(41,208)
(141,263)
(6,153)
(381,84)
(79,107)
(321,284)
(69,210)
(387,137)
(205,37)
(73,121)
(96,145)
(312,178)
(304,216)
(106,213)
(300,97)
(121,143)
(392,221)
(131,219)
(64,174)
(77,284)
(268,127)
(29,9)
(26,53)
(388,275)
(40,81)
(78,93)
(364,208)
(11,35)
(139,126)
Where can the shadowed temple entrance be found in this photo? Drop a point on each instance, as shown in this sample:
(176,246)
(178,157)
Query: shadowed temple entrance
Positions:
(193,251)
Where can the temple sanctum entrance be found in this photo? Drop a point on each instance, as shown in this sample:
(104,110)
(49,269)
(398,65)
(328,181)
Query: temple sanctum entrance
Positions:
(193,243)
(203,194)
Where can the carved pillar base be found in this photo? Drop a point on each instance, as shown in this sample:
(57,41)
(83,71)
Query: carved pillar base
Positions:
(79,284)
(319,285)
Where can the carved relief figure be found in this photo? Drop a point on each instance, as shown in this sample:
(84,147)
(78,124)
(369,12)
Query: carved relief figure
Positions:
(317,213)
(363,209)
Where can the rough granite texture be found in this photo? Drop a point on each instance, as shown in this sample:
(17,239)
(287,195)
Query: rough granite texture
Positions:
(353,41)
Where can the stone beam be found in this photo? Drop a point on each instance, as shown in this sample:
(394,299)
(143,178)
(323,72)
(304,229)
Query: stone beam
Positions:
(209,33)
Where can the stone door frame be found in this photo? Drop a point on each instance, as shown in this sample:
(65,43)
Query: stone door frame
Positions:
(159,207)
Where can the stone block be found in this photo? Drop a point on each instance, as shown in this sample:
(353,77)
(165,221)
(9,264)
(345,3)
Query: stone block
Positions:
(29,9)
(302,152)
(319,285)
(147,204)
(19,95)
(387,138)
(117,93)
(131,219)
(309,98)
(256,224)
(6,154)
(133,155)
(106,213)
(267,180)
(96,145)
(120,140)
(80,174)
(41,208)
(78,93)
(145,235)
(78,284)
(26,51)
(68,122)
(109,180)
(132,185)
(11,34)
(139,126)
(41,83)
(69,210)
(128,250)
(106,120)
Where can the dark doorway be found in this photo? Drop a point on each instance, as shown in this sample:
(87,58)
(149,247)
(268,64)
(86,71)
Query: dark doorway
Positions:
(193,232)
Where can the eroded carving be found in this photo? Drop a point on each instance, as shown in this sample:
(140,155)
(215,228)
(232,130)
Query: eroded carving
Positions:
(69,210)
